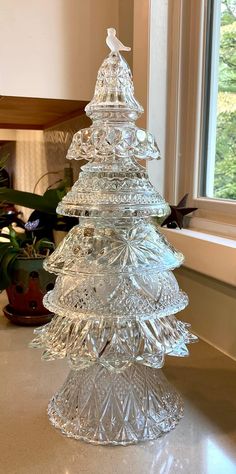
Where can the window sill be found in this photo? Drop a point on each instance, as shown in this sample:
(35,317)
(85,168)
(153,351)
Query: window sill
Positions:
(209,254)
(216,225)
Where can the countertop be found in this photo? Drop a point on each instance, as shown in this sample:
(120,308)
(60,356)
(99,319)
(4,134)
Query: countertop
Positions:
(204,442)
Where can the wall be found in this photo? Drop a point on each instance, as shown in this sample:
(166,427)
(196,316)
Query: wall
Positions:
(57,140)
(212,309)
(8,151)
(157,83)
(150,75)
(126,27)
(212,306)
(140,56)
(35,152)
(53,48)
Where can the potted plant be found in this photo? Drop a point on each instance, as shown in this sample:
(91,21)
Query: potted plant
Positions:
(22,274)
(22,254)
(44,210)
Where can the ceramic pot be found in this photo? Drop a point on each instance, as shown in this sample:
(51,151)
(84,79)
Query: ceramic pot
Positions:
(30,282)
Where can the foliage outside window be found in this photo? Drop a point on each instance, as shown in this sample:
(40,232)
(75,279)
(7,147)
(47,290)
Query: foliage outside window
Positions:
(220,176)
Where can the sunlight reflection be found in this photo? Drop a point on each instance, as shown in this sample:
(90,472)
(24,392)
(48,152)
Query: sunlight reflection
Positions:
(217,460)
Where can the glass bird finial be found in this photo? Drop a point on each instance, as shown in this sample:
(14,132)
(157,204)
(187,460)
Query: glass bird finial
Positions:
(114,43)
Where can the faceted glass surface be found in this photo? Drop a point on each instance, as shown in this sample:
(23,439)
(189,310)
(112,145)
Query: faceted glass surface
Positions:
(115,296)
(124,296)
(104,407)
(113,343)
(104,246)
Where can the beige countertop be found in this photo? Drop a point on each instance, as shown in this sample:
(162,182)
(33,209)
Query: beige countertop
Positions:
(203,443)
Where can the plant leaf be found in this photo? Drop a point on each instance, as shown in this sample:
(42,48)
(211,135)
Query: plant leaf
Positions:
(29,200)
(44,243)
(5,268)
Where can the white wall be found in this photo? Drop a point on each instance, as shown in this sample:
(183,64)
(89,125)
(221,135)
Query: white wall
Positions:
(53,48)
(150,57)
(43,54)
(141,56)
(33,153)
(38,152)
(211,310)
(157,99)
(212,307)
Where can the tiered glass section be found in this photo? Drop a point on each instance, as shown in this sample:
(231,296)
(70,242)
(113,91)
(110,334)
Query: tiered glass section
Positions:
(115,297)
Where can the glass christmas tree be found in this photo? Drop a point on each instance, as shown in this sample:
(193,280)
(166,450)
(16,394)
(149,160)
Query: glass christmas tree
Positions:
(115,297)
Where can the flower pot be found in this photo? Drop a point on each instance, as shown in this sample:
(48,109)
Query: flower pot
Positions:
(29,284)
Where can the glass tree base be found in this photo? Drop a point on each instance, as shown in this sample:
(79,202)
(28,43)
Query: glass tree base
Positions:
(117,408)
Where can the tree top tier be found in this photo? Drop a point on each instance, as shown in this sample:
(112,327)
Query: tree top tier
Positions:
(114,92)
(113,184)
(113,110)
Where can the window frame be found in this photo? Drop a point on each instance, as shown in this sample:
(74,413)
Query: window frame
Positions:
(185,114)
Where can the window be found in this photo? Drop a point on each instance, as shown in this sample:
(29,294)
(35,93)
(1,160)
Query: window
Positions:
(219,140)
(201,112)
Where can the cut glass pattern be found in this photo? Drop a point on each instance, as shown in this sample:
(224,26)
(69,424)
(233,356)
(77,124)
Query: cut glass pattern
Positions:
(105,247)
(108,141)
(113,343)
(115,297)
(124,296)
(92,402)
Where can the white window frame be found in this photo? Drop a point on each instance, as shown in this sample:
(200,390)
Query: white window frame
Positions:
(186,47)
(161,65)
